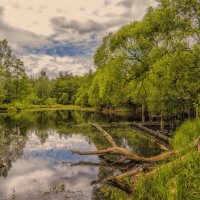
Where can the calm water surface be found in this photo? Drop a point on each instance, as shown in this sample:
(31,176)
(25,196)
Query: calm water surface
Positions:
(35,148)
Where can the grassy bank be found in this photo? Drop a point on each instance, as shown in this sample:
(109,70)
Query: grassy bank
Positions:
(20,106)
(177,179)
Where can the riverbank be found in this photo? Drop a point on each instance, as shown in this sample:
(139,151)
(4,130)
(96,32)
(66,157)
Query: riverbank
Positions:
(173,179)
(14,108)
(21,107)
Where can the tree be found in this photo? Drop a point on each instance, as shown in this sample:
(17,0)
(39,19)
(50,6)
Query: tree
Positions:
(42,87)
(64,99)
(15,84)
(2,84)
(82,95)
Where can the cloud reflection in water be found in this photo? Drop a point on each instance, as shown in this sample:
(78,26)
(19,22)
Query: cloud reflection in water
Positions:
(40,169)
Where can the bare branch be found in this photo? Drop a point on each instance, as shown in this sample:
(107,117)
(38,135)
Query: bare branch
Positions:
(107,135)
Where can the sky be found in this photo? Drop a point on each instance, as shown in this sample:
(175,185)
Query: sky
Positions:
(62,35)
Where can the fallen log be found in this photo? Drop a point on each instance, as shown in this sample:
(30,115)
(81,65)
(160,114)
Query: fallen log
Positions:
(150,170)
(152,132)
(158,144)
(128,155)
(147,169)
(154,136)
(113,144)
(122,181)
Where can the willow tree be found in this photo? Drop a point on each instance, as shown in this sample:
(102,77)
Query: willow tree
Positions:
(160,56)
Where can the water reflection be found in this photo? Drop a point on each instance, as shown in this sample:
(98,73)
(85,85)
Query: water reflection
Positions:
(37,161)
(40,171)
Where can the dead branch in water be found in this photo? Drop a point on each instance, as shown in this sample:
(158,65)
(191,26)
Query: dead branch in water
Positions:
(139,170)
(127,154)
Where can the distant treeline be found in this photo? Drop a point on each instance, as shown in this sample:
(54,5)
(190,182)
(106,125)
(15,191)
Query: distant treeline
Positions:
(153,63)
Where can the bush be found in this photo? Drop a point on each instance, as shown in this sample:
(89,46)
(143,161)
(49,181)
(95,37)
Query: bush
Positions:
(51,101)
(64,99)
(35,100)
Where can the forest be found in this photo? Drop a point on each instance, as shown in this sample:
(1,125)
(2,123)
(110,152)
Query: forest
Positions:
(151,66)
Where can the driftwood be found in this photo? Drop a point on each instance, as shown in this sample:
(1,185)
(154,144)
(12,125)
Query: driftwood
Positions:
(127,154)
(120,181)
(152,132)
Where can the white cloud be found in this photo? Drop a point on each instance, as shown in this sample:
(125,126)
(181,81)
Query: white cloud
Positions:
(34,64)
(21,37)
(33,26)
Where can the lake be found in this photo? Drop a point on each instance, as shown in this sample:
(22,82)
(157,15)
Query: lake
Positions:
(35,149)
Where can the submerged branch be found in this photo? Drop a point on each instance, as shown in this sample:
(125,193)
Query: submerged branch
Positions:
(128,155)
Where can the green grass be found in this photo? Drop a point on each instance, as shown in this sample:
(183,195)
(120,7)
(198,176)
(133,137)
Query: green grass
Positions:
(18,106)
(15,106)
(188,132)
(179,181)
(60,107)
(111,193)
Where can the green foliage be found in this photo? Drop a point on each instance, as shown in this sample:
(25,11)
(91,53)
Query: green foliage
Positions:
(2,83)
(152,63)
(13,80)
(188,132)
(94,97)
(42,87)
(82,95)
(103,53)
(65,84)
(64,99)
(11,108)
(51,101)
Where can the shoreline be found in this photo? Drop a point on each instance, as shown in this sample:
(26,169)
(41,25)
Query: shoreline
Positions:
(9,108)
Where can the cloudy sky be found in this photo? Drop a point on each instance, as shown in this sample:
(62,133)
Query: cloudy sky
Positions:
(62,35)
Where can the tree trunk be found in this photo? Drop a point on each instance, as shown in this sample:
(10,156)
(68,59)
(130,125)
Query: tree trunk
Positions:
(143,113)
